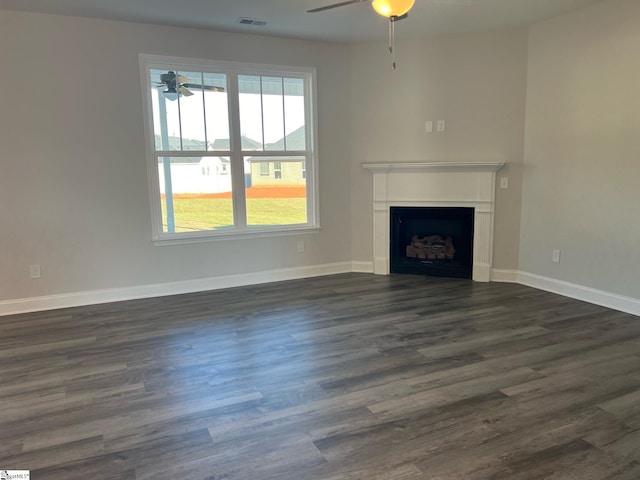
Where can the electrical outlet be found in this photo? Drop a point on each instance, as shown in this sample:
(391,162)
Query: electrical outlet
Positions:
(300,246)
(441,125)
(555,256)
(34,271)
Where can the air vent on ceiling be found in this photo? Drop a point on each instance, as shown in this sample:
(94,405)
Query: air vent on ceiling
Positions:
(251,21)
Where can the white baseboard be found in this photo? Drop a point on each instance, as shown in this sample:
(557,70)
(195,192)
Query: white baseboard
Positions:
(76,299)
(504,276)
(591,295)
(362,267)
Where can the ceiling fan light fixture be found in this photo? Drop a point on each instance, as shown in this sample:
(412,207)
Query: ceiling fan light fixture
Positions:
(392,8)
(170,93)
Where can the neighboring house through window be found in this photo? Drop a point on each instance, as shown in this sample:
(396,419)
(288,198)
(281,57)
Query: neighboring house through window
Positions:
(238,119)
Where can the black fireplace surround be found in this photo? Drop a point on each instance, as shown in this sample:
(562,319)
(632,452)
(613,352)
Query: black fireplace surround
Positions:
(448,231)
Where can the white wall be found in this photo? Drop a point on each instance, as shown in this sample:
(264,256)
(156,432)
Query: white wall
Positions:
(582,156)
(73,180)
(476,82)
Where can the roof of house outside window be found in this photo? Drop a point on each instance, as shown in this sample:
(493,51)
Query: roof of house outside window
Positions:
(294,141)
(247,144)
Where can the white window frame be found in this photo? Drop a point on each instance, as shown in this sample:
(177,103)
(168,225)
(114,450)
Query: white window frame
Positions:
(236,154)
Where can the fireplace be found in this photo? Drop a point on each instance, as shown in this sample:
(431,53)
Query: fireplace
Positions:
(442,185)
(435,241)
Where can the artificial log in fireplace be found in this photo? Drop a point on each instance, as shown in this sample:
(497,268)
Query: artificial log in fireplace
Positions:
(435,241)
(431,247)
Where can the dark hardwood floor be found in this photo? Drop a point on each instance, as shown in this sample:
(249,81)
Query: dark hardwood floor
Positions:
(341,377)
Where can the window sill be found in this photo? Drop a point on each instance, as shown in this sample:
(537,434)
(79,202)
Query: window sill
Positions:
(217,236)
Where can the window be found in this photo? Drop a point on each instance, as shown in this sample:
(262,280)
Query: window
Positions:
(253,124)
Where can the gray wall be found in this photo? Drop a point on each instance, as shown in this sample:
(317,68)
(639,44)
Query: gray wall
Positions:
(476,83)
(73,179)
(582,155)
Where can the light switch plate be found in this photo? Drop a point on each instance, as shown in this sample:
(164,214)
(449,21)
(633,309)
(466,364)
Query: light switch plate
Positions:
(428,126)
(34,271)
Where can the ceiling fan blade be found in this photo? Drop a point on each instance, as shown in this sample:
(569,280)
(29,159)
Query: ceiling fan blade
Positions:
(182,79)
(336,5)
(210,88)
(184,91)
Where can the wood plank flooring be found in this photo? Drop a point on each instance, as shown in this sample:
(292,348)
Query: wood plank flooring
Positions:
(341,377)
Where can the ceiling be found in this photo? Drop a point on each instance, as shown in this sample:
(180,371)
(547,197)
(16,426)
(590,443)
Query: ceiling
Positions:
(288,18)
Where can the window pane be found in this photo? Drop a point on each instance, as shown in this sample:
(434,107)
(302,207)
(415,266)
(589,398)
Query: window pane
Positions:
(191,103)
(195,193)
(216,111)
(190,110)
(279,198)
(294,114)
(250,88)
(166,112)
(273,112)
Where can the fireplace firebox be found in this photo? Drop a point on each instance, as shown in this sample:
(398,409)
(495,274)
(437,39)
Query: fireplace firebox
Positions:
(435,241)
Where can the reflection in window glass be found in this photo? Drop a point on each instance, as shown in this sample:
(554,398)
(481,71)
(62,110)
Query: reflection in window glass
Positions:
(191,109)
(166,111)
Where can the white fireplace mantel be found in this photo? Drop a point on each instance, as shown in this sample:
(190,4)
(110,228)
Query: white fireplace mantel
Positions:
(431,184)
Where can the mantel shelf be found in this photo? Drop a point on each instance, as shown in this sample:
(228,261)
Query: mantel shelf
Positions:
(433,167)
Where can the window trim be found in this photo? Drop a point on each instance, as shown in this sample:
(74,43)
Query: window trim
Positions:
(233,69)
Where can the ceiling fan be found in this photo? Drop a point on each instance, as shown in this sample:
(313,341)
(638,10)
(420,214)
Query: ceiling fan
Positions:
(176,85)
(394,10)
